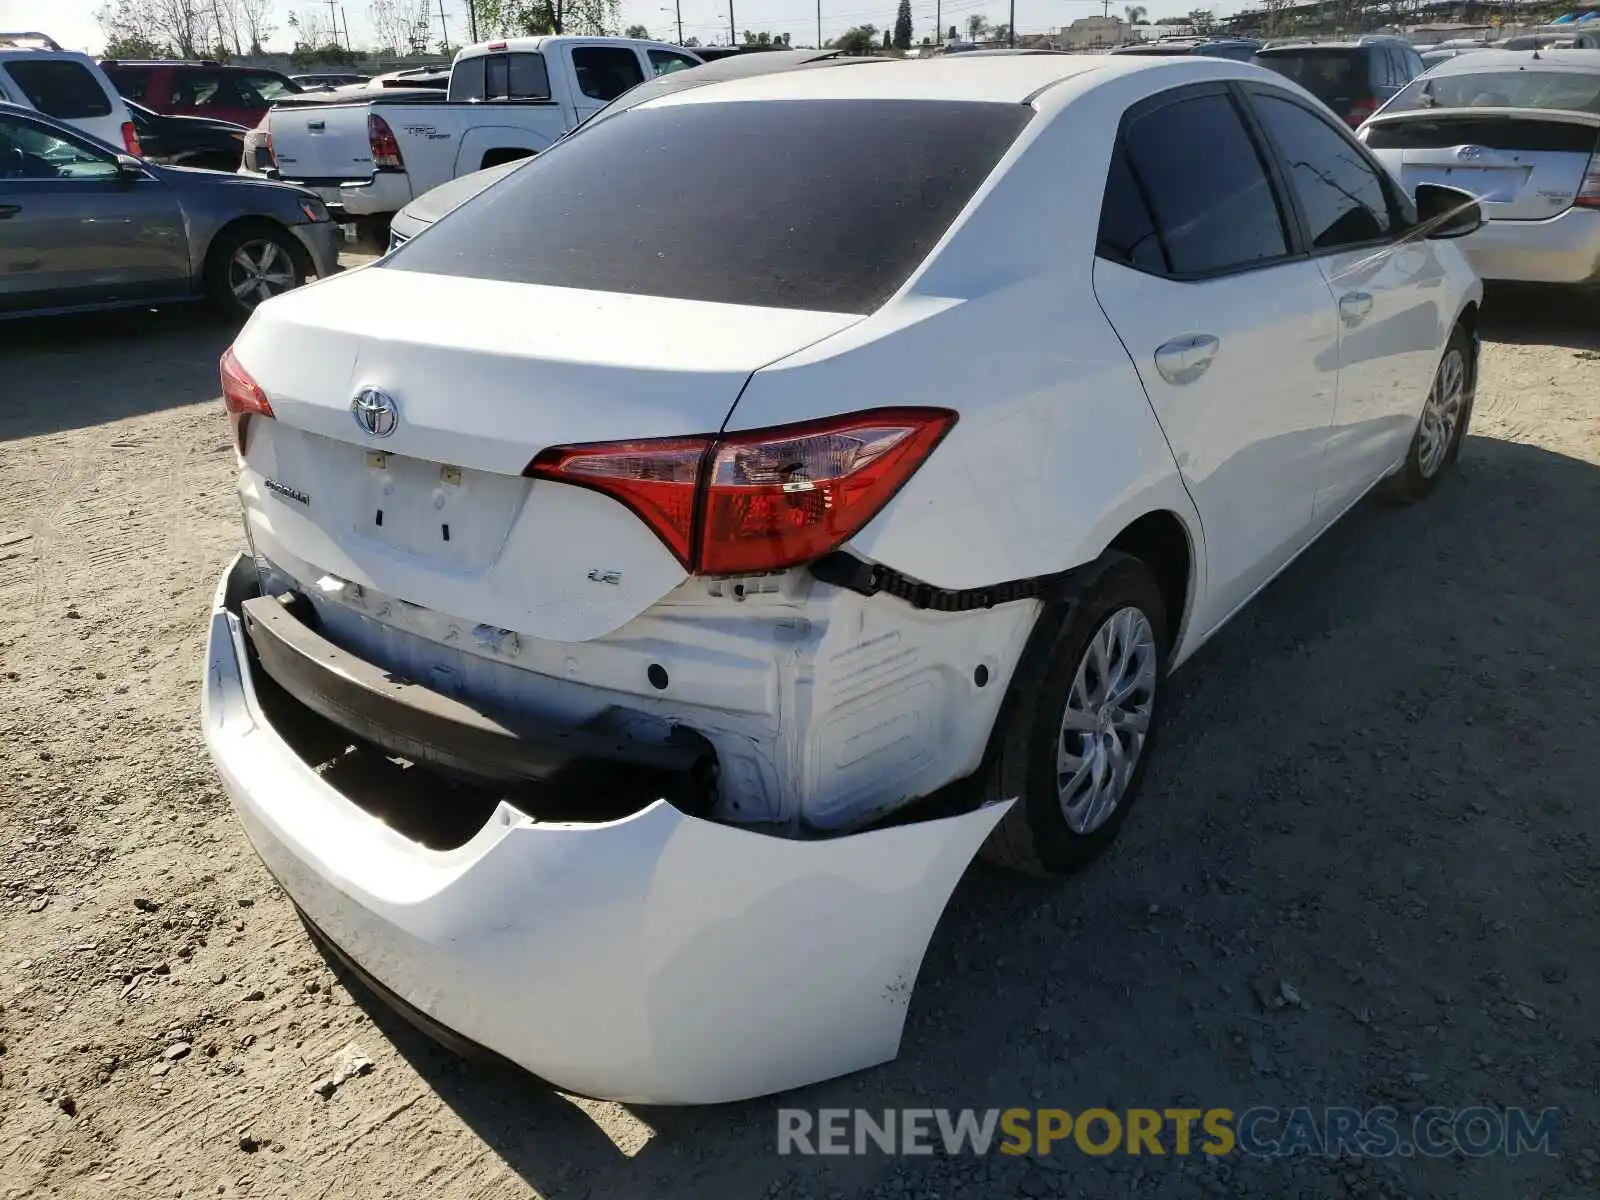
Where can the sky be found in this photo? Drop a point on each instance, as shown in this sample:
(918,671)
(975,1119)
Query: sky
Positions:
(71,22)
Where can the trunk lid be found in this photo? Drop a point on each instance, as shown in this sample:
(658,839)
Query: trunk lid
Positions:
(483,375)
(1523,165)
(322,141)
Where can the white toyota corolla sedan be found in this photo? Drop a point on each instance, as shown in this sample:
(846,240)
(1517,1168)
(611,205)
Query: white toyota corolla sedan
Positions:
(667,570)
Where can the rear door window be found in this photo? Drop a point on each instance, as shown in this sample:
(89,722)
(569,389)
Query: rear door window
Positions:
(129,83)
(827,205)
(1336,77)
(265,88)
(60,88)
(1127,230)
(605,72)
(1213,206)
(665,62)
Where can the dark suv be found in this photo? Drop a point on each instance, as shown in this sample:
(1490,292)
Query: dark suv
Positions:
(201,89)
(1355,79)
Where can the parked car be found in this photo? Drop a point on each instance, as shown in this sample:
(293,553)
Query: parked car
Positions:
(241,95)
(1564,38)
(1353,78)
(1433,57)
(372,154)
(430,206)
(1519,131)
(84,227)
(187,141)
(329,79)
(1240,49)
(37,73)
(719,601)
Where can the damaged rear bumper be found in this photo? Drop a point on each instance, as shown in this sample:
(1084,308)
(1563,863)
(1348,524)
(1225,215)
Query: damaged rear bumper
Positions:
(660,958)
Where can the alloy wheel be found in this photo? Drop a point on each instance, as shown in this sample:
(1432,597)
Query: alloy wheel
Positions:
(1441,413)
(1107,719)
(260,270)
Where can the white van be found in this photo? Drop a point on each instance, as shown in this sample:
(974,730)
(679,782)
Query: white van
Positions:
(37,73)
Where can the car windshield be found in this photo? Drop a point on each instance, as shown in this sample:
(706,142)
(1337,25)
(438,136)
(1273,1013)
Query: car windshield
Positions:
(1329,75)
(826,205)
(1527,87)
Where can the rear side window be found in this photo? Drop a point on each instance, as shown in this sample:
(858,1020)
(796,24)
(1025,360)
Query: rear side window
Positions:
(131,84)
(268,89)
(60,88)
(501,77)
(1336,77)
(1208,190)
(605,72)
(1127,231)
(826,205)
(1340,193)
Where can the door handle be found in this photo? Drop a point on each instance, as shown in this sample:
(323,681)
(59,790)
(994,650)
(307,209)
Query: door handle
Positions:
(7,211)
(1185,359)
(1354,307)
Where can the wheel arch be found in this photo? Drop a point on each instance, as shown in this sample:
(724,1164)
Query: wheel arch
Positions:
(1163,543)
(250,221)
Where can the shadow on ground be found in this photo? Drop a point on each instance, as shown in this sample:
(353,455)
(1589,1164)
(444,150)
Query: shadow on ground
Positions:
(61,373)
(1376,779)
(1542,316)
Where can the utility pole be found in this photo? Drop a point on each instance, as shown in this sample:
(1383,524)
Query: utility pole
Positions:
(346,18)
(333,20)
(1011,29)
(444,29)
(677,6)
(733,39)
(472,20)
(938,22)
(819,24)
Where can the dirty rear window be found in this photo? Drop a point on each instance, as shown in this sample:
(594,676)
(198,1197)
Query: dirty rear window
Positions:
(1527,87)
(816,204)
(60,88)
(1336,77)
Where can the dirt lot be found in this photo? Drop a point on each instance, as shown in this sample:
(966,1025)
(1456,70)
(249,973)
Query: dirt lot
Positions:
(1378,786)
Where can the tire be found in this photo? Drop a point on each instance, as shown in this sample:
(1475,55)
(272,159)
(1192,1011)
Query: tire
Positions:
(283,261)
(1446,412)
(1043,833)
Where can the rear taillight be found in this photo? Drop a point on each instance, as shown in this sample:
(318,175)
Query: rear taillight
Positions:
(272,154)
(763,500)
(1589,191)
(130,139)
(242,397)
(1359,112)
(385,146)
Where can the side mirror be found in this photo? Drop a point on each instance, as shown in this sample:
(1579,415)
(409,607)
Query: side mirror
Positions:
(129,168)
(1447,212)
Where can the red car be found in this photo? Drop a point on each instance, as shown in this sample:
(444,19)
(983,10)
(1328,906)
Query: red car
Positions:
(201,89)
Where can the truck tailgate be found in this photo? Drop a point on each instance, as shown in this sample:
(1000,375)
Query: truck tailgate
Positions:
(325,142)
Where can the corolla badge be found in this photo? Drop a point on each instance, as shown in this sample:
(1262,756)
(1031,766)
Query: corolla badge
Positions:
(376,412)
(1469,153)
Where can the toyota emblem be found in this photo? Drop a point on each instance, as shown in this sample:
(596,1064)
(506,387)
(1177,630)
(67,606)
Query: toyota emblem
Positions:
(1470,152)
(376,412)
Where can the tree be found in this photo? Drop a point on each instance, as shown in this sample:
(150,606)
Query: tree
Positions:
(401,26)
(1000,32)
(888,39)
(255,16)
(186,27)
(952,35)
(1203,20)
(637,31)
(902,26)
(863,39)
(977,26)
(1136,13)
(506,17)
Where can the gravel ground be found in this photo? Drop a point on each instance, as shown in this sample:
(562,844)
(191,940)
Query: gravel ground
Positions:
(1376,786)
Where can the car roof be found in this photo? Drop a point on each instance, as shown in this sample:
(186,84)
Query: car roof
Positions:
(1003,78)
(1578,61)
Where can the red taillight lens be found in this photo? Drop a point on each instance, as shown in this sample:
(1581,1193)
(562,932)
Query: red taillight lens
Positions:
(763,500)
(130,139)
(242,397)
(655,478)
(385,146)
(779,497)
(1359,112)
(1589,191)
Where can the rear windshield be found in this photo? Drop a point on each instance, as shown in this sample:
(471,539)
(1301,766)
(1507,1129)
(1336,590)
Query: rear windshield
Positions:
(1526,87)
(1336,77)
(501,77)
(60,88)
(817,204)
(1496,133)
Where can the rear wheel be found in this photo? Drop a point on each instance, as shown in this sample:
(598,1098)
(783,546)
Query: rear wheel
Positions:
(1082,722)
(1443,423)
(254,264)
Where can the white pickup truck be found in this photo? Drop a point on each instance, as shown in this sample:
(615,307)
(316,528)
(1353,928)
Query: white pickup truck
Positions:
(370,155)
